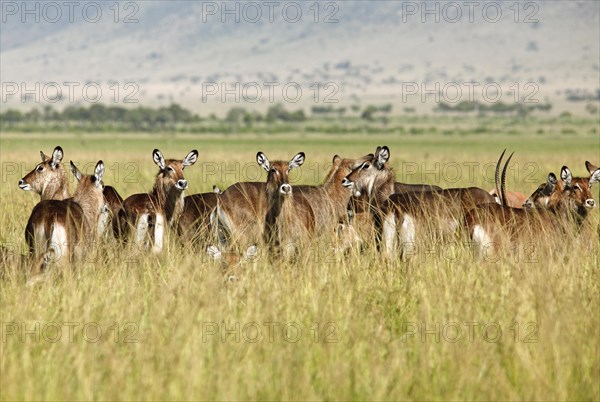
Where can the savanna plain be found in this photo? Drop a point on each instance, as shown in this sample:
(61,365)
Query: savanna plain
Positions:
(522,324)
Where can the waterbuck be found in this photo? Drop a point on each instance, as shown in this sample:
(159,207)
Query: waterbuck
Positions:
(242,207)
(561,207)
(149,213)
(59,230)
(49,180)
(541,197)
(290,218)
(398,214)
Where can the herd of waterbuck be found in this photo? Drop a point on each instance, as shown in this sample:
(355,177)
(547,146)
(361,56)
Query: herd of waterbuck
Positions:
(359,202)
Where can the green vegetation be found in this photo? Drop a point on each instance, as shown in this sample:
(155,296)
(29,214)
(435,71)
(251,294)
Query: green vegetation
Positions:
(363,321)
(465,117)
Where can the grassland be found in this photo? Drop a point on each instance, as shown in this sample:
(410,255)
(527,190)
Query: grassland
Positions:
(369,330)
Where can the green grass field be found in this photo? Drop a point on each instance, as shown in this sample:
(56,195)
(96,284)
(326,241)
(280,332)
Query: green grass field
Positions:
(443,327)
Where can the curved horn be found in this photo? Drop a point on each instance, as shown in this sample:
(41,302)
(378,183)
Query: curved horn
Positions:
(503,181)
(497,177)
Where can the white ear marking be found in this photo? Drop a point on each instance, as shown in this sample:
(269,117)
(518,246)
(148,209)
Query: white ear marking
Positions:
(190,158)
(595,177)
(57,156)
(158,158)
(99,171)
(382,155)
(566,175)
(263,161)
(297,160)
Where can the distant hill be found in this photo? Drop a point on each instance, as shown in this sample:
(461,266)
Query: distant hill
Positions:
(369,52)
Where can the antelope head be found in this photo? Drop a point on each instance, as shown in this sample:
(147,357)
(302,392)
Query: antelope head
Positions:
(542,196)
(371,174)
(576,191)
(170,176)
(89,185)
(47,174)
(278,178)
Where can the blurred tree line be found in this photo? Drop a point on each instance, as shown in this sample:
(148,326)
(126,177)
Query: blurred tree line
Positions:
(99,117)
(499,108)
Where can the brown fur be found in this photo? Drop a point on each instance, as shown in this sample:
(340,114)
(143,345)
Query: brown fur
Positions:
(290,219)
(374,182)
(166,198)
(77,217)
(194,223)
(114,201)
(242,207)
(514,199)
(48,178)
(562,210)
(330,200)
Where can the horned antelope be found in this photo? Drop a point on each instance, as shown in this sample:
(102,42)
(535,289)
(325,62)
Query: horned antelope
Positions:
(542,196)
(160,207)
(560,206)
(290,218)
(56,229)
(375,180)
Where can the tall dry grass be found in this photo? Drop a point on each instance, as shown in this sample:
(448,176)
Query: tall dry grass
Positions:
(180,326)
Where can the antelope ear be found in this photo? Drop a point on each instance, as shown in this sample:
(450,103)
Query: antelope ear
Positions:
(336,160)
(297,161)
(382,155)
(75,171)
(217,190)
(263,161)
(552,179)
(190,159)
(99,171)
(595,177)
(565,175)
(158,158)
(57,156)
(591,168)
(43,156)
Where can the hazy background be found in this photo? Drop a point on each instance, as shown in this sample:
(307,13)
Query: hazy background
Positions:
(169,50)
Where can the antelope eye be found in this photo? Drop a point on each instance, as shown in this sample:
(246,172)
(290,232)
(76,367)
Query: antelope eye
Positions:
(273,170)
(577,187)
(365,166)
(40,168)
(170,169)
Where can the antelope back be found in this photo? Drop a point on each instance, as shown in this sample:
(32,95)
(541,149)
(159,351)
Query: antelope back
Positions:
(48,178)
